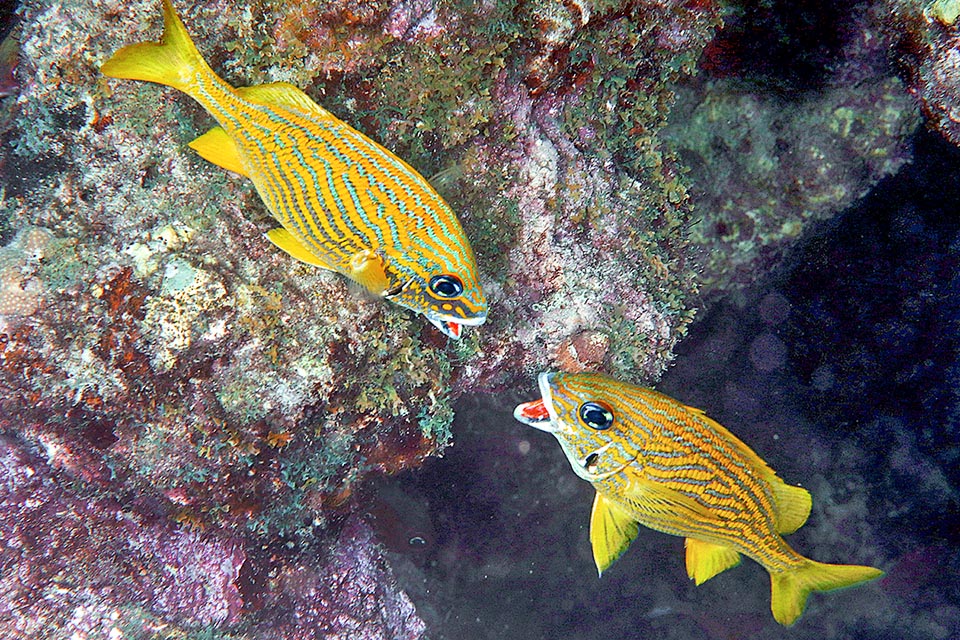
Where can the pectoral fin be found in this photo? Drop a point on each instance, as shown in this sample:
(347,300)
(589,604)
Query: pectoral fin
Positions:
(666,506)
(611,531)
(288,243)
(217,147)
(366,267)
(705,559)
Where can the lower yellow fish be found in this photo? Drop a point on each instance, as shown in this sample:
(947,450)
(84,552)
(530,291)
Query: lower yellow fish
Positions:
(343,202)
(656,462)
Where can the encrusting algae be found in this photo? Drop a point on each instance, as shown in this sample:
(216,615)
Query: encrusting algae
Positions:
(347,204)
(344,202)
(656,462)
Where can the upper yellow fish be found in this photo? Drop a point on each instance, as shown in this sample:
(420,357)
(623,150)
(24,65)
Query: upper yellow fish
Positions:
(656,462)
(344,202)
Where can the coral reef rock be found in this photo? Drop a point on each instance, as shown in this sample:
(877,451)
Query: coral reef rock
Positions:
(99,568)
(74,563)
(179,372)
(927,41)
(772,149)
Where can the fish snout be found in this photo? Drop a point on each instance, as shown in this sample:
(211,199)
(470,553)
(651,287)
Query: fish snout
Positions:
(453,328)
(534,414)
(539,414)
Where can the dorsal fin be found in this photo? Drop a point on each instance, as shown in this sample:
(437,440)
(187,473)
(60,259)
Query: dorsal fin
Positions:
(286,95)
(792,503)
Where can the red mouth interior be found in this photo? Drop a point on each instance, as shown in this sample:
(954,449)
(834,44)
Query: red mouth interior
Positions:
(535,410)
(454,329)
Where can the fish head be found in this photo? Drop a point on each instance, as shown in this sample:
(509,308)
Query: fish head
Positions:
(581,411)
(449,298)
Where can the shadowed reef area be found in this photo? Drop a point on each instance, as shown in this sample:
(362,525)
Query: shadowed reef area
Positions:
(201,437)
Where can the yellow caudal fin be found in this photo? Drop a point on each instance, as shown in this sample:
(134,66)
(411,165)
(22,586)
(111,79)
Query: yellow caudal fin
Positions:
(789,589)
(173,61)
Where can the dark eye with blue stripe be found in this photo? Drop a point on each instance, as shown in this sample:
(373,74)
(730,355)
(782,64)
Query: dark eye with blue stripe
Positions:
(596,416)
(446,286)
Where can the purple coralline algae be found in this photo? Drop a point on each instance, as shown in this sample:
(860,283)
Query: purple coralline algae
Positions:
(162,355)
(77,564)
(352,597)
(98,568)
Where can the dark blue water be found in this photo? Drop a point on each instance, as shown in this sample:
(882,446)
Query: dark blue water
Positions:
(840,369)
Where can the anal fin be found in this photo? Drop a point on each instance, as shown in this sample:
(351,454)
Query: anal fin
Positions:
(706,559)
(217,147)
(612,530)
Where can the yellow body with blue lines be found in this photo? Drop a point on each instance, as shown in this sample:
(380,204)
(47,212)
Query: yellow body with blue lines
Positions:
(656,462)
(344,202)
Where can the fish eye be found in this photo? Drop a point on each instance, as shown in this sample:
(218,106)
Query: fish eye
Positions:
(446,286)
(596,416)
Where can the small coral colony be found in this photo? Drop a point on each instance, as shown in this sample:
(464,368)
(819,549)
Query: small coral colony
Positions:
(347,204)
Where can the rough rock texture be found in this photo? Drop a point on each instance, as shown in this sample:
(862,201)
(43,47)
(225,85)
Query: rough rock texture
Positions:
(927,38)
(95,567)
(798,113)
(161,352)
(350,597)
(98,556)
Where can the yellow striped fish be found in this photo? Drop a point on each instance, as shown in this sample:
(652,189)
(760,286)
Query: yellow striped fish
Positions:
(344,202)
(656,462)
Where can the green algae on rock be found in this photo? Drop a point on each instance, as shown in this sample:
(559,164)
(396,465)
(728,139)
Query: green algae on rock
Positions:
(768,159)
(195,369)
(766,169)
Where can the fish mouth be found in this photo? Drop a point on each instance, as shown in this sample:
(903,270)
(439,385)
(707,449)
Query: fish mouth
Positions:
(454,329)
(539,414)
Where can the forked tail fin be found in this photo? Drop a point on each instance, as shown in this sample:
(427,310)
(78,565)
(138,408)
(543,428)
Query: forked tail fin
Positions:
(789,589)
(174,61)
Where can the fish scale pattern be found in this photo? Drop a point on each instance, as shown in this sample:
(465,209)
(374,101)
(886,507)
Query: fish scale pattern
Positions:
(685,451)
(656,462)
(344,202)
